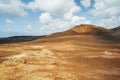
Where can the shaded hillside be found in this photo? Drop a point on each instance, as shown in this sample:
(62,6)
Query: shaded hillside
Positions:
(116,29)
(116,32)
(16,39)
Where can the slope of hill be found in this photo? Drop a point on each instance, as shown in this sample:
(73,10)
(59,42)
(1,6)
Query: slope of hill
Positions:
(116,29)
(87,29)
(116,32)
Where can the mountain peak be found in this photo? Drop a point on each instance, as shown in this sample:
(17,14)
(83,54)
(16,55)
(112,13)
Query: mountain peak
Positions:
(89,29)
(85,29)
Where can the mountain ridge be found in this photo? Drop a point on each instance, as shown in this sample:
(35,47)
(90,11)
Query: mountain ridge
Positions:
(86,29)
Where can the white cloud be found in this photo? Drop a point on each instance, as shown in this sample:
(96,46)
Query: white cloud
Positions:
(54,7)
(71,12)
(65,11)
(9,22)
(106,8)
(29,26)
(55,25)
(12,7)
(86,3)
(45,18)
(51,24)
(107,11)
(109,22)
(76,20)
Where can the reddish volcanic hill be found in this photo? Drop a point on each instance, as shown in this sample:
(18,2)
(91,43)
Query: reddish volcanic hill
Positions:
(89,29)
(84,29)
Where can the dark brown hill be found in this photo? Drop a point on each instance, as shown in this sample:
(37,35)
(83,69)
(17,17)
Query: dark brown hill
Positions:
(16,39)
(116,29)
(116,32)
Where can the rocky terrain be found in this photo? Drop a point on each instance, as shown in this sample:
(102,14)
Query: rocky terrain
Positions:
(85,52)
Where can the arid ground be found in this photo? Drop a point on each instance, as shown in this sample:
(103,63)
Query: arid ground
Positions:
(70,57)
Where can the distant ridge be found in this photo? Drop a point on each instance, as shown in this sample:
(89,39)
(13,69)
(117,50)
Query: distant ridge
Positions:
(16,39)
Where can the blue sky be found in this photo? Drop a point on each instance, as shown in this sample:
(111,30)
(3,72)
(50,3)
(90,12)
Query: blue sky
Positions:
(42,17)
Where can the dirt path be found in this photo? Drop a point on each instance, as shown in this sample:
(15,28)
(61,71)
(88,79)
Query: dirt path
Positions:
(35,65)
